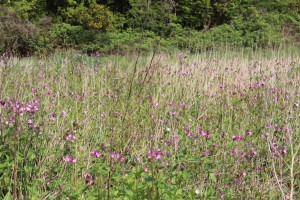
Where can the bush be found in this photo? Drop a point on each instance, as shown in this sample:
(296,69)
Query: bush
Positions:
(93,17)
(64,35)
(121,42)
(16,35)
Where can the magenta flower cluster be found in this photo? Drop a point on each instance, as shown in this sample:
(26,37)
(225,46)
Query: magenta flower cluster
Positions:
(69,159)
(96,153)
(278,151)
(70,138)
(88,179)
(117,156)
(20,108)
(237,137)
(157,154)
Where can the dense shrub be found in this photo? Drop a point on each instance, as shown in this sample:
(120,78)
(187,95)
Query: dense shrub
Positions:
(42,26)
(94,16)
(64,35)
(16,35)
(121,42)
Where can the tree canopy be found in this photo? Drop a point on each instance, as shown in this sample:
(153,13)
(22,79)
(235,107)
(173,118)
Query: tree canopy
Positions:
(250,20)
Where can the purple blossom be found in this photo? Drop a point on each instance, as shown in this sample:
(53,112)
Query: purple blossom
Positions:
(171,113)
(52,116)
(249,133)
(63,113)
(69,159)
(70,137)
(204,134)
(117,156)
(222,85)
(237,137)
(158,157)
(154,104)
(88,179)
(287,130)
(171,103)
(157,154)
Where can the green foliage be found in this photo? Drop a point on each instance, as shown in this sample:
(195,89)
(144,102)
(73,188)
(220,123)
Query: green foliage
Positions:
(117,26)
(195,14)
(26,9)
(16,34)
(64,35)
(94,16)
(97,17)
(121,42)
(151,15)
(119,6)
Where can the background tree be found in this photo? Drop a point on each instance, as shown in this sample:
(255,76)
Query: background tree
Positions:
(182,23)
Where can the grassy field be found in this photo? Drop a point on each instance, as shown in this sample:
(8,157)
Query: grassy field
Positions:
(212,125)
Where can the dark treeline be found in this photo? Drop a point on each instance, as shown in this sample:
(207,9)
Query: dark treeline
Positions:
(109,26)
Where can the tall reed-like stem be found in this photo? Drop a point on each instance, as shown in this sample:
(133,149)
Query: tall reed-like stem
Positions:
(15,195)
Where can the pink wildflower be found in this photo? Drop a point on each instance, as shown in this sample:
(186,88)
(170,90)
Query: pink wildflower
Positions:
(287,130)
(237,137)
(249,133)
(69,159)
(204,134)
(52,116)
(154,104)
(222,86)
(112,156)
(171,103)
(171,113)
(96,153)
(63,113)
(88,179)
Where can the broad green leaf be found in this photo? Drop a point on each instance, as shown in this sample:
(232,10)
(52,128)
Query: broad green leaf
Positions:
(129,193)
(178,192)
(212,177)
(8,196)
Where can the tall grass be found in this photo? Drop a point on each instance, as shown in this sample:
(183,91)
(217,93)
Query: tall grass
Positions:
(217,124)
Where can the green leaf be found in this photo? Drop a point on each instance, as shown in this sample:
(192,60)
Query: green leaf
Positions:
(86,188)
(28,169)
(192,159)
(148,179)
(8,196)
(178,192)
(31,155)
(129,193)
(91,198)
(115,192)
(213,177)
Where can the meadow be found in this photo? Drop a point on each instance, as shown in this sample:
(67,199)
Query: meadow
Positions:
(220,124)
